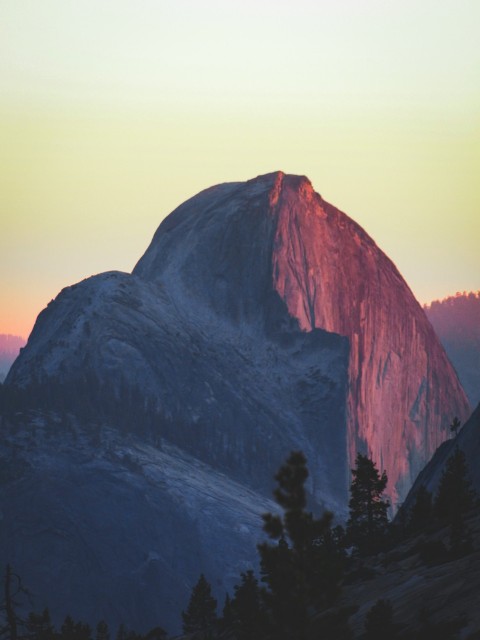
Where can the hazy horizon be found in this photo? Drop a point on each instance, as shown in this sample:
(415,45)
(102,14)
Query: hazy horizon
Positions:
(111,116)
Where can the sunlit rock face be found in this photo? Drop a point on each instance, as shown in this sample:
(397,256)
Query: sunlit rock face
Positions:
(232,244)
(260,320)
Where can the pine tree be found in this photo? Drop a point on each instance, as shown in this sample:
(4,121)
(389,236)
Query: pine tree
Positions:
(14,590)
(39,626)
(455,497)
(248,615)
(455,494)
(303,568)
(228,617)
(455,426)
(157,633)
(67,630)
(422,510)
(379,623)
(368,521)
(200,617)
(103,632)
(71,630)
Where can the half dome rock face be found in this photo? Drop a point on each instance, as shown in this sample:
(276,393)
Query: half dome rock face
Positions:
(232,244)
(260,320)
(261,314)
(403,391)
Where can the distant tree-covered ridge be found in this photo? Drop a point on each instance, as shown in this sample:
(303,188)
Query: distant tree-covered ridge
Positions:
(456,321)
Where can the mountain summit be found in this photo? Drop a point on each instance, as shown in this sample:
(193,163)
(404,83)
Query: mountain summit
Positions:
(204,329)
(260,320)
(231,245)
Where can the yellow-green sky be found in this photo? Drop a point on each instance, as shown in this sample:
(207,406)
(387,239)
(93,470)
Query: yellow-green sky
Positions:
(113,112)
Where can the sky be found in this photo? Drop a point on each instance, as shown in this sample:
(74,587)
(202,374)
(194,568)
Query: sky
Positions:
(114,112)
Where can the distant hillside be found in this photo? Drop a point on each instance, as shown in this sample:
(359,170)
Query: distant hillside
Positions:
(456,321)
(9,349)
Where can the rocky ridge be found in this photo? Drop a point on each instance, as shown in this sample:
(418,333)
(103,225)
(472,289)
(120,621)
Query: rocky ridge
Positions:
(260,320)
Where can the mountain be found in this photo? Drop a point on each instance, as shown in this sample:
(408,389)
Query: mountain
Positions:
(456,321)
(9,349)
(261,319)
(468,440)
(103,527)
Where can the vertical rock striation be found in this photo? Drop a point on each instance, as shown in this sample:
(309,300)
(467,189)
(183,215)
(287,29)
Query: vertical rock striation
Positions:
(230,270)
(403,391)
(260,320)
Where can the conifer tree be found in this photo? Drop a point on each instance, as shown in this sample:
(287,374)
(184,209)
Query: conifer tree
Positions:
(379,623)
(455,497)
(302,569)
(248,618)
(39,626)
(157,633)
(200,616)
(67,630)
(455,426)
(103,632)
(13,590)
(422,510)
(368,521)
(228,618)
(71,630)
(455,494)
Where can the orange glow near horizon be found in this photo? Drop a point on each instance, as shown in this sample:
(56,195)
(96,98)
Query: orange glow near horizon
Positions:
(112,116)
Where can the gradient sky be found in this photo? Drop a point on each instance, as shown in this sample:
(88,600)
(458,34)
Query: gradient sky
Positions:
(113,112)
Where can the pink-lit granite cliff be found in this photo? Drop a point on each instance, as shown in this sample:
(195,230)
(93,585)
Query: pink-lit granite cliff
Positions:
(403,391)
(260,320)
(214,328)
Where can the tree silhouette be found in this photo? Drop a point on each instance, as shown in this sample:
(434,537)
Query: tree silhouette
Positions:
(303,568)
(247,612)
(455,494)
(455,426)
(200,617)
(422,510)
(455,497)
(39,626)
(368,522)
(71,630)
(103,632)
(14,590)
(379,623)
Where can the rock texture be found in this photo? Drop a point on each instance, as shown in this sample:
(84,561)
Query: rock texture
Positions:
(228,272)
(443,593)
(260,320)
(276,230)
(231,396)
(468,440)
(402,388)
(106,528)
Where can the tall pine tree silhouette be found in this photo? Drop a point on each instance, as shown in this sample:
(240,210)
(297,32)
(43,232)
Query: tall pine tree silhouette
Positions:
(455,497)
(303,568)
(368,521)
(200,616)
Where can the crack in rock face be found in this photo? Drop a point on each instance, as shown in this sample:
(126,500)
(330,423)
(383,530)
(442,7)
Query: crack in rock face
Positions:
(403,391)
(260,320)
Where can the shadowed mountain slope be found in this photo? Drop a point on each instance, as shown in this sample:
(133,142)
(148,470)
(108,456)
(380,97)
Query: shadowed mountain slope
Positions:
(260,320)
